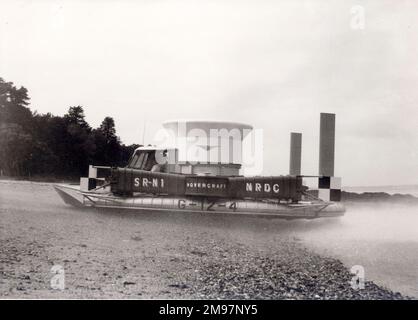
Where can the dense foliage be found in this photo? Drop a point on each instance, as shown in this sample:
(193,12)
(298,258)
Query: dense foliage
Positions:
(33,144)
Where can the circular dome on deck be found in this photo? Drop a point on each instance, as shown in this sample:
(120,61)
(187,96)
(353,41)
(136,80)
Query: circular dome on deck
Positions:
(208,141)
(205,125)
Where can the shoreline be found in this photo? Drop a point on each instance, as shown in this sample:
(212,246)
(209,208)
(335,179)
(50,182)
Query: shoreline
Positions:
(69,180)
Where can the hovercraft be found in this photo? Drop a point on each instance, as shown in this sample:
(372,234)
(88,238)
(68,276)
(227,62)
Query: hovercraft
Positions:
(193,175)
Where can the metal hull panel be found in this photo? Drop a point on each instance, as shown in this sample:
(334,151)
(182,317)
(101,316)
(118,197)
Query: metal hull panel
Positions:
(247,207)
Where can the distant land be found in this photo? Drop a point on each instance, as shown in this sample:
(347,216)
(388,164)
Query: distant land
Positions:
(391,193)
(390,189)
(378,196)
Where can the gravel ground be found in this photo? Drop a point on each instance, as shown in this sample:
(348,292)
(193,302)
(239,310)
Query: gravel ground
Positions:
(288,271)
(155,255)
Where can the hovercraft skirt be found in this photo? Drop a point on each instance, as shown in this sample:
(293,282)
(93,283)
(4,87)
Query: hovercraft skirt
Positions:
(267,208)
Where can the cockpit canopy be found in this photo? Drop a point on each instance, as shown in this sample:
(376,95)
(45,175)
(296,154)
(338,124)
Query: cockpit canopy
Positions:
(166,160)
(148,159)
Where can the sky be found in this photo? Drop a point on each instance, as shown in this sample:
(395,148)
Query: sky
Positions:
(272,64)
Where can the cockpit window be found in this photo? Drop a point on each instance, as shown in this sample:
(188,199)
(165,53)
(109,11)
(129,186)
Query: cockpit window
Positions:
(143,160)
(133,160)
(140,161)
(137,160)
(149,162)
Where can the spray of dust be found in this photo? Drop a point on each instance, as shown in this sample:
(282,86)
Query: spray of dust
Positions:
(381,237)
(380,222)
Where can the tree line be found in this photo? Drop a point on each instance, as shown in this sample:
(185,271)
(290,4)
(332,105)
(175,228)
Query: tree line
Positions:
(45,145)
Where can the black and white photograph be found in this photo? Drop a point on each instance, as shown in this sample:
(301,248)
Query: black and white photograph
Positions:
(209,151)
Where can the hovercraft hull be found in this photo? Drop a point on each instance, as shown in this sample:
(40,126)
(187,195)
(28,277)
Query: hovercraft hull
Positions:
(248,207)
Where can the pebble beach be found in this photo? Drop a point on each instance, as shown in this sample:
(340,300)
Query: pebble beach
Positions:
(149,255)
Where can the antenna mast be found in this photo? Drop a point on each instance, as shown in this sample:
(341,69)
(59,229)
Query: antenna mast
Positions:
(143,133)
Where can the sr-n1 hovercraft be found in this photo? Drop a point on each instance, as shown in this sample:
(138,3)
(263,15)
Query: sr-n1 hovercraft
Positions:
(193,175)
